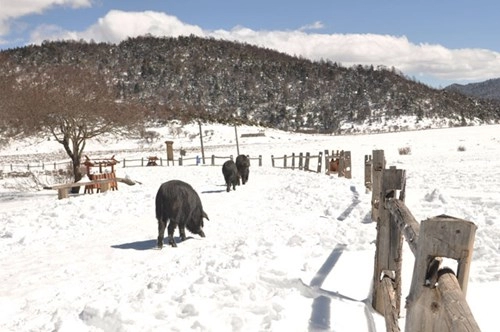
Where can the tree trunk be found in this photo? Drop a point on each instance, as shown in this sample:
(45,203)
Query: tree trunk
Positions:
(77,174)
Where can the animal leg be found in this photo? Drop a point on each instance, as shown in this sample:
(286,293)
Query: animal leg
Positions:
(182,232)
(161,233)
(228,187)
(171,228)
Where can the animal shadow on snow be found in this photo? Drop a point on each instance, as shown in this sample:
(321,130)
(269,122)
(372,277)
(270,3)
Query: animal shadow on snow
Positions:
(215,191)
(147,244)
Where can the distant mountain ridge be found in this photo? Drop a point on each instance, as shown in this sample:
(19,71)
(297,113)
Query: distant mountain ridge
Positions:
(489,89)
(229,82)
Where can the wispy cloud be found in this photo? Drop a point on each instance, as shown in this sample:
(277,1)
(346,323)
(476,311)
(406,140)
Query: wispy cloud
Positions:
(13,9)
(314,26)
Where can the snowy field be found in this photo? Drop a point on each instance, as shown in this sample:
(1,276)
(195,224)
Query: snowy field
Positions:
(88,263)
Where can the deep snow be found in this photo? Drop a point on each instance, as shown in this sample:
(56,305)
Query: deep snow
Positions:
(88,263)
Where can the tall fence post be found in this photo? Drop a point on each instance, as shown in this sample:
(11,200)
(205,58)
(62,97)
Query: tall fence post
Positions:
(389,243)
(378,166)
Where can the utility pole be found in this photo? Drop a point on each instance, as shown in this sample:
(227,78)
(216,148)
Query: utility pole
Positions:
(201,142)
(237,145)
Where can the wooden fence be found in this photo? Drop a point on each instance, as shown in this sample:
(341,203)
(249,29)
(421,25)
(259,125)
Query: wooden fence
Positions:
(436,301)
(338,162)
(41,166)
(300,161)
(314,163)
(182,161)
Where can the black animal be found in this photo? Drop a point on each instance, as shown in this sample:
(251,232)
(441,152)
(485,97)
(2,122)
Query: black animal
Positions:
(230,175)
(243,164)
(178,202)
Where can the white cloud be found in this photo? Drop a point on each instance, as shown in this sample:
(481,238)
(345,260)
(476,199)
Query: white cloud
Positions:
(314,26)
(119,25)
(12,9)
(420,60)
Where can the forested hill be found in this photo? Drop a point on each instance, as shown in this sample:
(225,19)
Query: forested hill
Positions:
(222,81)
(488,89)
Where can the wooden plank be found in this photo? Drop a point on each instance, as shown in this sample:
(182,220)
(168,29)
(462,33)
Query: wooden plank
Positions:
(406,222)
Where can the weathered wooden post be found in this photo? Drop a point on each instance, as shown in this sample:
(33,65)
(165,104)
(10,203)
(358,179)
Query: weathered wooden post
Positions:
(368,172)
(378,166)
(293,160)
(301,160)
(170,152)
(306,165)
(389,246)
(345,164)
(272,160)
(320,160)
(441,308)
(284,161)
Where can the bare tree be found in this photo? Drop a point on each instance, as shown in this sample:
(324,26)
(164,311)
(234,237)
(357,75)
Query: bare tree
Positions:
(76,105)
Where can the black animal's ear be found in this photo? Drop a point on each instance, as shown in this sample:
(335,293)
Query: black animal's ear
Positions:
(204,215)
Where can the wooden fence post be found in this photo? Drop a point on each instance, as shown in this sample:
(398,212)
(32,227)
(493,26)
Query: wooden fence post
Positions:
(293,160)
(272,160)
(320,160)
(260,160)
(389,243)
(301,160)
(346,165)
(378,166)
(368,172)
(306,166)
(327,162)
(284,161)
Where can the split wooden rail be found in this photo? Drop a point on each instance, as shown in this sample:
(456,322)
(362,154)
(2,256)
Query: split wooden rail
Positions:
(436,302)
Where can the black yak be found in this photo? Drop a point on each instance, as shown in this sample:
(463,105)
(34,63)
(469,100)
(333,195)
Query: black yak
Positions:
(243,164)
(230,175)
(178,202)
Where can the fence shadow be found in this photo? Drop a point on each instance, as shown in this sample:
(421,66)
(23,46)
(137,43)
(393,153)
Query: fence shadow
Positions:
(320,315)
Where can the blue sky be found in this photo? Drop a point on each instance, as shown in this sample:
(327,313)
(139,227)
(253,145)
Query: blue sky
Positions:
(434,42)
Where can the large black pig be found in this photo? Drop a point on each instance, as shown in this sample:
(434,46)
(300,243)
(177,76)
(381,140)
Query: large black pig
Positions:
(243,166)
(230,175)
(178,202)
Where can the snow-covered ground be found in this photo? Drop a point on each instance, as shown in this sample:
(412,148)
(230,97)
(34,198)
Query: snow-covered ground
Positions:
(87,263)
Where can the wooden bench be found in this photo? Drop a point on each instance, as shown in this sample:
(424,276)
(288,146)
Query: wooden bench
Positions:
(104,185)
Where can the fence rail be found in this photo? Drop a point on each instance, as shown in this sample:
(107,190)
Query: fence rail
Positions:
(41,166)
(437,294)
